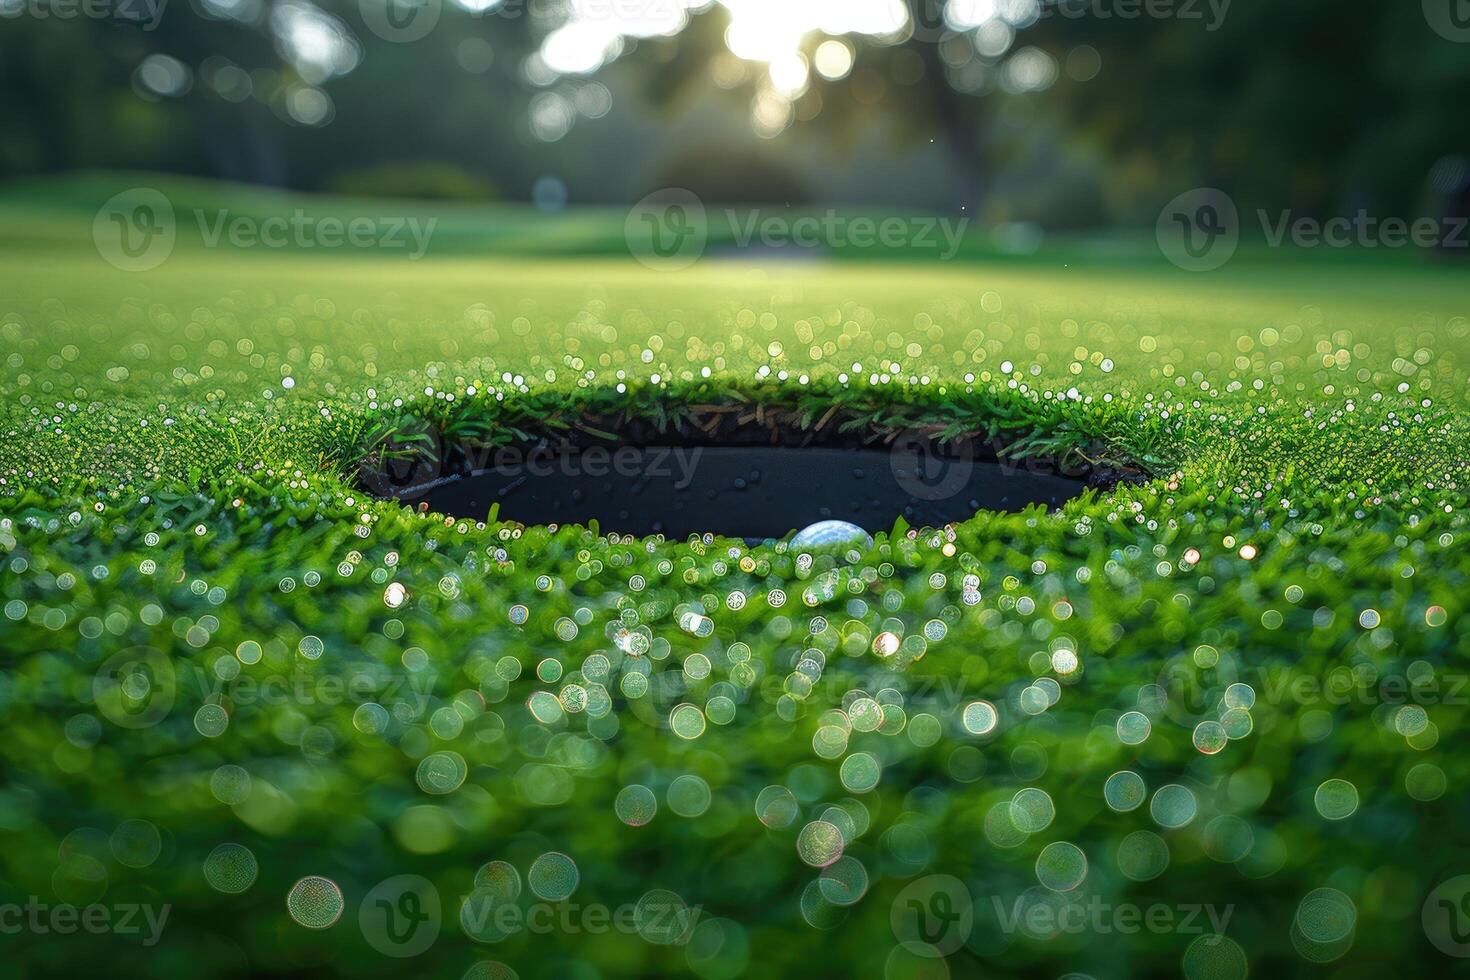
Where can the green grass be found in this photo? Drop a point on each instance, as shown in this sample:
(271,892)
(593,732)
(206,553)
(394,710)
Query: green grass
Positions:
(166,496)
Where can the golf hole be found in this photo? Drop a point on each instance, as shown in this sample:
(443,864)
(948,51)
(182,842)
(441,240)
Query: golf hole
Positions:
(753,484)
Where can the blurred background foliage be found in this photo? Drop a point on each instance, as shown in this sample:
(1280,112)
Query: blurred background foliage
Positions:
(1070,116)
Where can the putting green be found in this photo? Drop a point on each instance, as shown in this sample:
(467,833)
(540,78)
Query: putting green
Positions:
(238,685)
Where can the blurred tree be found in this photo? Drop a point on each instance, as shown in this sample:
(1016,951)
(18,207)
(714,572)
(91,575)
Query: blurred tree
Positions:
(1300,106)
(286,93)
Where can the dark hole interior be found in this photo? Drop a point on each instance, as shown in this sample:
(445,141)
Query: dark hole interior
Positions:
(753,483)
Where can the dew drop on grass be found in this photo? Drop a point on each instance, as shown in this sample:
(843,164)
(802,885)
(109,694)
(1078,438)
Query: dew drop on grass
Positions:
(819,844)
(441,772)
(501,878)
(1410,720)
(1237,723)
(844,881)
(1240,696)
(720,709)
(776,807)
(1061,866)
(1214,957)
(311,647)
(1173,806)
(1032,810)
(1326,915)
(689,796)
(1210,737)
(553,877)
(1425,782)
(635,805)
(818,912)
(545,707)
(230,868)
(1336,799)
(230,784)
(925,730)
(315,902)
(860,772)
(1228,838)
(1133,727)
(661,917)
(211,720)
(1124,791)
(370,718)
(136,843)
(979,717)
(686,721)
(1143,855)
